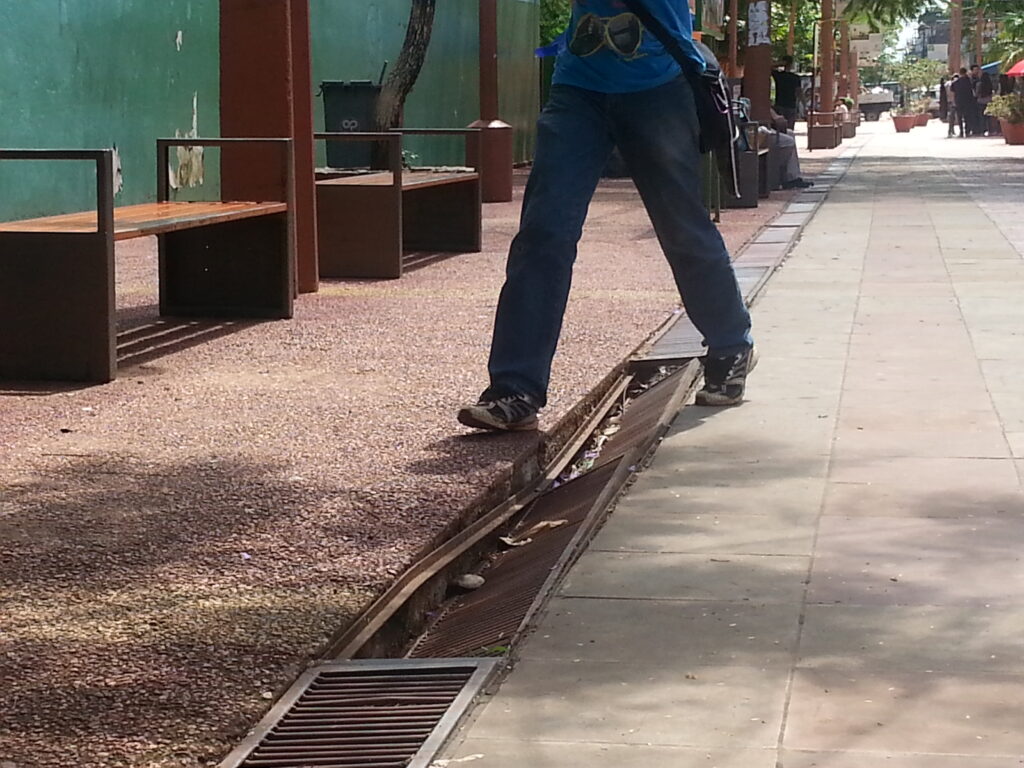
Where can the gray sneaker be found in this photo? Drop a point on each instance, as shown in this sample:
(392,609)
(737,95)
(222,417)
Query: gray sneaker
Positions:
(514,413)
(725,378)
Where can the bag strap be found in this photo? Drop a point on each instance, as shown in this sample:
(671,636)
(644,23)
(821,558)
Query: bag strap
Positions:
(712,78)
(668,41)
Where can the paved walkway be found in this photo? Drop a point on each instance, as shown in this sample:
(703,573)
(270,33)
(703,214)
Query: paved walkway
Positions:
(831,575)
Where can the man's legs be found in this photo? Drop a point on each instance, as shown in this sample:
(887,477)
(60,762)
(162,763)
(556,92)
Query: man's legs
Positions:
(790,114)
(785,145)
(657,133)
(573,145)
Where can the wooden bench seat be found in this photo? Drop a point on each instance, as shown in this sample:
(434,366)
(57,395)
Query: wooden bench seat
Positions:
(57,273)
(133,221)
(368,222)
(411,179)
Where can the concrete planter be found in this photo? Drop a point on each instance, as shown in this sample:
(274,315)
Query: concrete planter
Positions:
(922,119)
(1013,133)
(904,123)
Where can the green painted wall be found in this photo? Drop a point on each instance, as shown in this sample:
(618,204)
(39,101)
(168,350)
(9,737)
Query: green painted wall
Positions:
(100,73)
(351,41)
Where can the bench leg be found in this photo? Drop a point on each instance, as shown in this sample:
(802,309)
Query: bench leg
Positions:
(57,307)
(443,218)
(237,269)
(359,231)
(747,170)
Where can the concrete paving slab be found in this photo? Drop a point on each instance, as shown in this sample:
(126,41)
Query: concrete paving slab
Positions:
(672,633)
(640,703)
(797,759)
(791,219)
(680,528)
(976,715)
(969,383)
(483,753)
(786,498)
(775,235)
(918,561)
(769,459)
(891,417)
(874,500)
(939,475)
(859,444)
(919,639)
(688,577)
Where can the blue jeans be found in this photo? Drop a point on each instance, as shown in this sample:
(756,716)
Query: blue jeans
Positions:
(656,132)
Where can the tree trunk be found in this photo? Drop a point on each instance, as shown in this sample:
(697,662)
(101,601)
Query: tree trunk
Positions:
(956,33)
(407,69)
(791,34)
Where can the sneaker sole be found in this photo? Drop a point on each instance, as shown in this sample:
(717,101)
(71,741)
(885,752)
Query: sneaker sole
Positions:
(467,418)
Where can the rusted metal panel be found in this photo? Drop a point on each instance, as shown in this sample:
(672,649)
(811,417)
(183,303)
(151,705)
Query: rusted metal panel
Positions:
(483,622)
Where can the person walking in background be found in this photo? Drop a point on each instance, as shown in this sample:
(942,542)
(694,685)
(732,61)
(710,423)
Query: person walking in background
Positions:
(943,101)
(787,91)
(614,85)
(952,115)
(965,101)
(984,91)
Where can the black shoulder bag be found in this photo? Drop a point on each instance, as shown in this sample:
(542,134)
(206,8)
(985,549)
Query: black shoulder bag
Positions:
(718,131)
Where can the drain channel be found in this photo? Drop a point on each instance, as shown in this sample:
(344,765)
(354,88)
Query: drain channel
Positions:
(490,620)
(486,621)
(364,714)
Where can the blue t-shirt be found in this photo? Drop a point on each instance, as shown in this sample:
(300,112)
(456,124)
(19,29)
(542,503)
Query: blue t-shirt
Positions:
(607,71)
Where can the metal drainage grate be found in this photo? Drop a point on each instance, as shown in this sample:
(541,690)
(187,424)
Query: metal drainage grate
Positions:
(364,714)
(488,619)
(640,418)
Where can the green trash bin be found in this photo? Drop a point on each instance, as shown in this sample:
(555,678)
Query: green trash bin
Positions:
(349,107)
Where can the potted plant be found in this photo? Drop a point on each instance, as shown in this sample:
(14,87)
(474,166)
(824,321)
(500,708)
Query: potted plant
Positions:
(923,112)
(904,118)
(915,76)
(1009,110)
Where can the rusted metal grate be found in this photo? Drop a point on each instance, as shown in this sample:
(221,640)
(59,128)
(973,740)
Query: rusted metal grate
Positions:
(364,714)
(680,342)
(640,419)
(485,621)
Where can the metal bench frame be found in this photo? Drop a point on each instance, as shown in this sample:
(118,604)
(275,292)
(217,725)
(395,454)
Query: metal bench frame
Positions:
(57,296)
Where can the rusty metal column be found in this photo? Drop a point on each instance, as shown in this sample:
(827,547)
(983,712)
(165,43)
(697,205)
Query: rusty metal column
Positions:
(308,276)
(855,80)
(956,34)
(844,58)
(265,91)
(734,10)
(757,63)
(827,95)
(496,147)
(791,34)
(979,39)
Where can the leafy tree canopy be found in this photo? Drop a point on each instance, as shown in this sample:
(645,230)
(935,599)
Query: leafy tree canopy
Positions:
(554,16)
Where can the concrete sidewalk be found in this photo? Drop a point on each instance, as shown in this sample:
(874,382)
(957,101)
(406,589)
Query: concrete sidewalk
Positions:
(831,575)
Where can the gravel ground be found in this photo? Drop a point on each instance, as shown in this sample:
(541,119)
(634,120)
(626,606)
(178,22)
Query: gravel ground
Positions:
(175,545)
